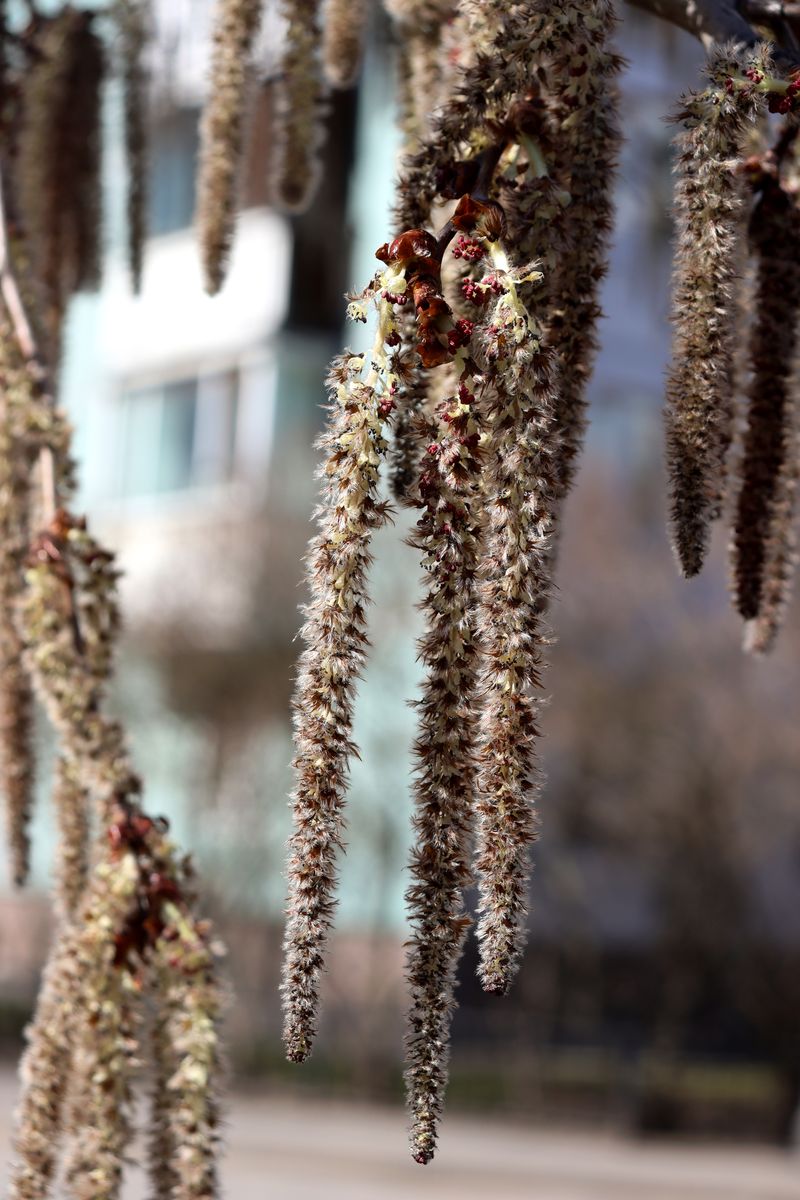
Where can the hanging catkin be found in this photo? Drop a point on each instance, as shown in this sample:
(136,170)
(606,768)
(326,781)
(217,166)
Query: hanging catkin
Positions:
(521,486)
(161,1143)
(343,35)
(59,164)
(16,700)
(448,536)
(770,437)
(44,1076)
(134,22)
(71,801)
(222,132)
(583,80)
(420,63)
(137,900)
(699,410)
(334,633)
(295,166)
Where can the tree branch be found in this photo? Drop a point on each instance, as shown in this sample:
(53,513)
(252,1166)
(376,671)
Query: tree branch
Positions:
(715,21)
(710,20)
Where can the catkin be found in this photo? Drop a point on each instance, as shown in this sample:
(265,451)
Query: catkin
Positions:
(16,697)
(59,164)
(222,132)
(133,18)
(44,1073)
(344,31)
(99,1126)
(448,535)
(583,78)
(763,514)
(71,801)
(194,1004)
(335,642)
(295,167)
(482,93)
(161,1143)
(522,488)
(699,412)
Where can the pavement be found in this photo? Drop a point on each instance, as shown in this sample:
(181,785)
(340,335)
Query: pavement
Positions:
(291,1149)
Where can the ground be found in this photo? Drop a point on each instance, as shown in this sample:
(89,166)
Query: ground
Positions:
(303,1150)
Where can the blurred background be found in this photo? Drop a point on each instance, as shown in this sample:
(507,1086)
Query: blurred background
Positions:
(651,1045)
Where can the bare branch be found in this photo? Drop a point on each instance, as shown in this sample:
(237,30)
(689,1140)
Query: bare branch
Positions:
(710,20)
(716,21)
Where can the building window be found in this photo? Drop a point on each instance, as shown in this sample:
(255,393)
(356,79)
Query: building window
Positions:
(173,165)
(178,435)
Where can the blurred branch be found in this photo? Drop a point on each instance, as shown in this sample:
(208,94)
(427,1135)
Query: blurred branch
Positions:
(715,21)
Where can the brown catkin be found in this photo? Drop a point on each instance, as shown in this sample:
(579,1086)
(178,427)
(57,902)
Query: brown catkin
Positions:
(17,767)
(133,17)
(583,78)
(194,1004)
(699,413)
(99,1126)
(420,65)
(16,748)
(507,43)
(343,35)
(335,640)
(448,535)
(222,133)
(70,619)
(71,802)
(781,557)
(44,1073)
(410,423)
(161,1143)
(522,489)
(59,163)
(770,437)
(295,167)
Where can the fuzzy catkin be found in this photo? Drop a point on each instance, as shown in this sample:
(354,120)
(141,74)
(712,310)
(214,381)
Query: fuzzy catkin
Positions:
(505,43)
(410,423)
(522,488)
(133,18)
(104,1060)
(138,898)
(59,164)
(335,640)
(770,437)
(16,748)
(343,34)
(44,1073)
(16,697)
(71,801)
(190,1104)
(421,63)
(295,167)
(781,556)
(161,1143)
(448,534)
(222,132)
(699,412)
(583,78)
(17,767)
